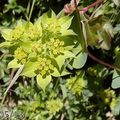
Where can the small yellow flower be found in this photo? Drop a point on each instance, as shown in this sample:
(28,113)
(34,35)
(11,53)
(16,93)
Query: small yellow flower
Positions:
(51,67)
(48,62)
(61,43)
(33,32)
(45,66)
(55,52)
(17,33)
(53,26)
(55,46)
(20,55)
(43,72)
(23,61)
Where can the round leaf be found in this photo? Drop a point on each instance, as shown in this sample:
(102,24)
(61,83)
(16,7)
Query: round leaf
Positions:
(80,60)
(116,80)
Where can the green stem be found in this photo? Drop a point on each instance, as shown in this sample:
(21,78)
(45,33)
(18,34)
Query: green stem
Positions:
(56,83)
(33,3)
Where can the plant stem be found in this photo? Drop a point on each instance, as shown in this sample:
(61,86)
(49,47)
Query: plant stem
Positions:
(90,6)
(62,116)
(12,74)
(69,8)
(12,82)
(33,3)
(102,62)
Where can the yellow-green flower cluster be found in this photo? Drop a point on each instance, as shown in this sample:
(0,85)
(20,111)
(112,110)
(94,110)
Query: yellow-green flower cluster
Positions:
(17,33)
(54,105)
(20,55)
(37,47)
(44,67)
(38,41)
(108,96)
(52,26)
(33,32)
(55,46)
(75,85)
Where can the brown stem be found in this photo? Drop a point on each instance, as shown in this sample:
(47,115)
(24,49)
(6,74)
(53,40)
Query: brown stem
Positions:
(69,8)
(90,6)
(102,62)
(94,4)
(62,116)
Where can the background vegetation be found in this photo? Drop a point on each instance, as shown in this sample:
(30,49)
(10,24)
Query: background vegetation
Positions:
(92,89)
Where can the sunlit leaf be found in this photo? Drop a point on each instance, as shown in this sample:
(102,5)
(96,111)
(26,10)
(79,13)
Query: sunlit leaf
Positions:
(6,34)
(29,69)
(13,64)
(43,82)
(5,44)
(56,73)
(61,58)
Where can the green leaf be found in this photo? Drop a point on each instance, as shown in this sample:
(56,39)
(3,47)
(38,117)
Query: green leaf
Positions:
(56,73)
(105,35)
(91,34)
(5,44)
(80,60)
(65,23)
(43,82)
(46,17)
(116,108)
(115,80)
(68,32)
(61,58)
(29,69)
(78,29)
(106,40)
(35,105)
(13,64)
(64,91)
(6,34)
(26,46)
